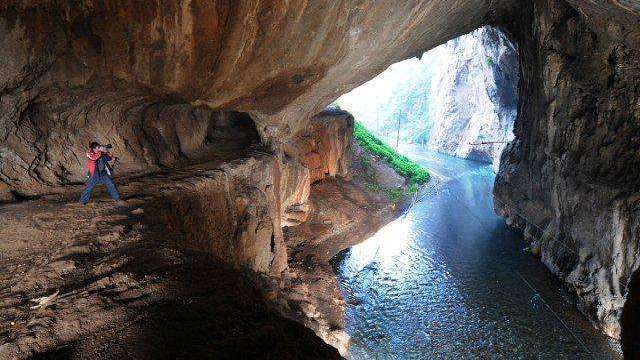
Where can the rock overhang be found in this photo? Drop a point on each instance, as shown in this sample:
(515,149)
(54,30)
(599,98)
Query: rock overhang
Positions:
(284,62)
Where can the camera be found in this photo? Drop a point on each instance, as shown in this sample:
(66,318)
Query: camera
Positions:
(108,146)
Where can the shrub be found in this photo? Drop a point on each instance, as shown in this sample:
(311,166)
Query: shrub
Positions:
(415,173)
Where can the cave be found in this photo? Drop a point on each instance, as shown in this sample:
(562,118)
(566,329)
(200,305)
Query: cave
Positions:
(231,170)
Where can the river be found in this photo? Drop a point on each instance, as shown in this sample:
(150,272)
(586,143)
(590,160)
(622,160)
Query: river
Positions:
(449,280)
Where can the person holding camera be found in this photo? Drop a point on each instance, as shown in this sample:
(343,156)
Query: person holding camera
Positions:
(99,171)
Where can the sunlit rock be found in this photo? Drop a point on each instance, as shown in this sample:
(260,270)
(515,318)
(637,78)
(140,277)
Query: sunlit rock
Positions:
(473,95)
(153,78)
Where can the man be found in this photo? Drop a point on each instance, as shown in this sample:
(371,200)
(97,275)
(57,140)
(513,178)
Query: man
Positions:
(99,172)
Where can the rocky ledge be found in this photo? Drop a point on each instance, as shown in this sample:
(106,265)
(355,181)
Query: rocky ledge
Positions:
(235,249)
(120,282)
(169,82)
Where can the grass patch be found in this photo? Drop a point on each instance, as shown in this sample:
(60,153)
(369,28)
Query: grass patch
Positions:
(394,194)
(415,173)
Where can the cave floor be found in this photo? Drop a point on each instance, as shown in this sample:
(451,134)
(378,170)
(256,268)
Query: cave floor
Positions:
(125,289)
(122,286)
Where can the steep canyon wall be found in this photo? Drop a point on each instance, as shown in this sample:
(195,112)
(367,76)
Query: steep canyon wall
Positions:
(178,84)
(473,96)
(571,176)
(459,98)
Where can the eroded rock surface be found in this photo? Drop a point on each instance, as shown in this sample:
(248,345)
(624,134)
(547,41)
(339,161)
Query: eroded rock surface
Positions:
(138,74)
(124,287)
(118,70)
(570,177)
(345,213)
(44,139)
(324,146)
(474,95)
(121,274)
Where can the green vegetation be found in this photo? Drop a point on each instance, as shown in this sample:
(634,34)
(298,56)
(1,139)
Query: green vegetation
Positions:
(489,62)
(394,194)
(404,166)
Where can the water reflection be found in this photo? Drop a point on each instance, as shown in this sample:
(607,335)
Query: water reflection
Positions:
(449,280)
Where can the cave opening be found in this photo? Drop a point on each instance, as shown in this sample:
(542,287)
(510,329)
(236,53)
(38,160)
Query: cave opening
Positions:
(451,268)
(459,98)
(161,81)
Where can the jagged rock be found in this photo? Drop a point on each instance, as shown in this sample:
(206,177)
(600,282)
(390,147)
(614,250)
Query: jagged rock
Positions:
(574,165)
(473,97)
(324,146)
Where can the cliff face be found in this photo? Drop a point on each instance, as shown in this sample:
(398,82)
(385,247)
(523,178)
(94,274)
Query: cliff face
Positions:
(473,96)
(205,102)
(459,98)
(570,177)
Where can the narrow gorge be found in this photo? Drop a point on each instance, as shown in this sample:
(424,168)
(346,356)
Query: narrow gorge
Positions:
(239,185)
(459,98)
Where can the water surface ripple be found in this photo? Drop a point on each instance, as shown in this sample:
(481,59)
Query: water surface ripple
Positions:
(451,280)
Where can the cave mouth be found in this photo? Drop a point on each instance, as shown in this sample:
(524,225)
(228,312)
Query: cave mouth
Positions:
(451,268)
(576,147)
(459,98)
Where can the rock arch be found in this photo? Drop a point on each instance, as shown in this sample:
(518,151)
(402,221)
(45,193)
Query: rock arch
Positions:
(572,169)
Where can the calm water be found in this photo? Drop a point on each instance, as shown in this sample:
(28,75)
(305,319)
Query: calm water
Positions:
(451,281)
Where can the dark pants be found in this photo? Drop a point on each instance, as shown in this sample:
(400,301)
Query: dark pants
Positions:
(95,180)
